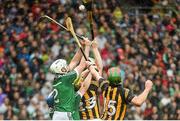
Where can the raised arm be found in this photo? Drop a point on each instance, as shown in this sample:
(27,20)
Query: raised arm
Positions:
(139,100)
(93,71)
(82,64)
(85,73)
(85,85)
(103,83)
(75,60)
(97,56)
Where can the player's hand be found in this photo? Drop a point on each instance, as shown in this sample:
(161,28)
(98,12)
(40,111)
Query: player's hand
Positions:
(87,42)
(148,85)
(95,44)
(82,42)
(88,64)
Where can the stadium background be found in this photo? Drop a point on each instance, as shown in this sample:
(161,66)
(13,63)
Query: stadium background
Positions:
(141,37)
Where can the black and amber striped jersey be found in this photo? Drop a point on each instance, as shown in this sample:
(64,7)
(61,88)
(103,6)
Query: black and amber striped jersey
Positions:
(89,103)
(116,99)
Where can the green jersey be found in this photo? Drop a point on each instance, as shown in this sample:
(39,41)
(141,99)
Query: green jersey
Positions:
(75,113)
(64,99)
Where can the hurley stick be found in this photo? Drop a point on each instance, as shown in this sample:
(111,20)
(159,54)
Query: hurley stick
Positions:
(71,29)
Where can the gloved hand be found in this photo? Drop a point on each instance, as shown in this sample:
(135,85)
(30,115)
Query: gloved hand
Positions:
(50,101)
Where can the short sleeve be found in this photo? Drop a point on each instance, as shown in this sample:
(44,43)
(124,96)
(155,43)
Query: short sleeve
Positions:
(128,95)
(77,73)
(78,94)
(71,76)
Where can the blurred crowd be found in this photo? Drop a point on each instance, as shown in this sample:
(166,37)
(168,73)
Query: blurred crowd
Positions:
(145,47)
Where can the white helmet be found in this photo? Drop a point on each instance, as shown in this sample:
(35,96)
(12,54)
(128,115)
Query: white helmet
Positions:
(59,66)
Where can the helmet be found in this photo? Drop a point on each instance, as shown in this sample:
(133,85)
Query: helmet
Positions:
(115,75)
(59,66)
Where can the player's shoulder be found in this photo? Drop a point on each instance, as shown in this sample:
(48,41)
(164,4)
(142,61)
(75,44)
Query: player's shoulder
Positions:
(72,72)
(127,91)
(61,77)
(57,82)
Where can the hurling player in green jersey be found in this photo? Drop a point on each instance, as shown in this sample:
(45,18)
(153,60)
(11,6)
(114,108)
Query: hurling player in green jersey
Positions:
(64,95)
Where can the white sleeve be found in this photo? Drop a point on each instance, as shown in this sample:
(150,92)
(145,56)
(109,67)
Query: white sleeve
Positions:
(79,93)
(77,74)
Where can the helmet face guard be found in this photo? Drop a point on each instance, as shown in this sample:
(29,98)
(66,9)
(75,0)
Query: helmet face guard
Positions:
(114,76)
(59,66)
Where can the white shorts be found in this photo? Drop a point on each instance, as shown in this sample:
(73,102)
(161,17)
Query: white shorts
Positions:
(62,116)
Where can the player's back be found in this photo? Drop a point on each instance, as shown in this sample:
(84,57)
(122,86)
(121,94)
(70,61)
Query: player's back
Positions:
(64,92)
(89,103)
(114,104)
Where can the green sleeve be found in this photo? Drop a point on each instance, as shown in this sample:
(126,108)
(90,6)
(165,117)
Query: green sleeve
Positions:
(71,76)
